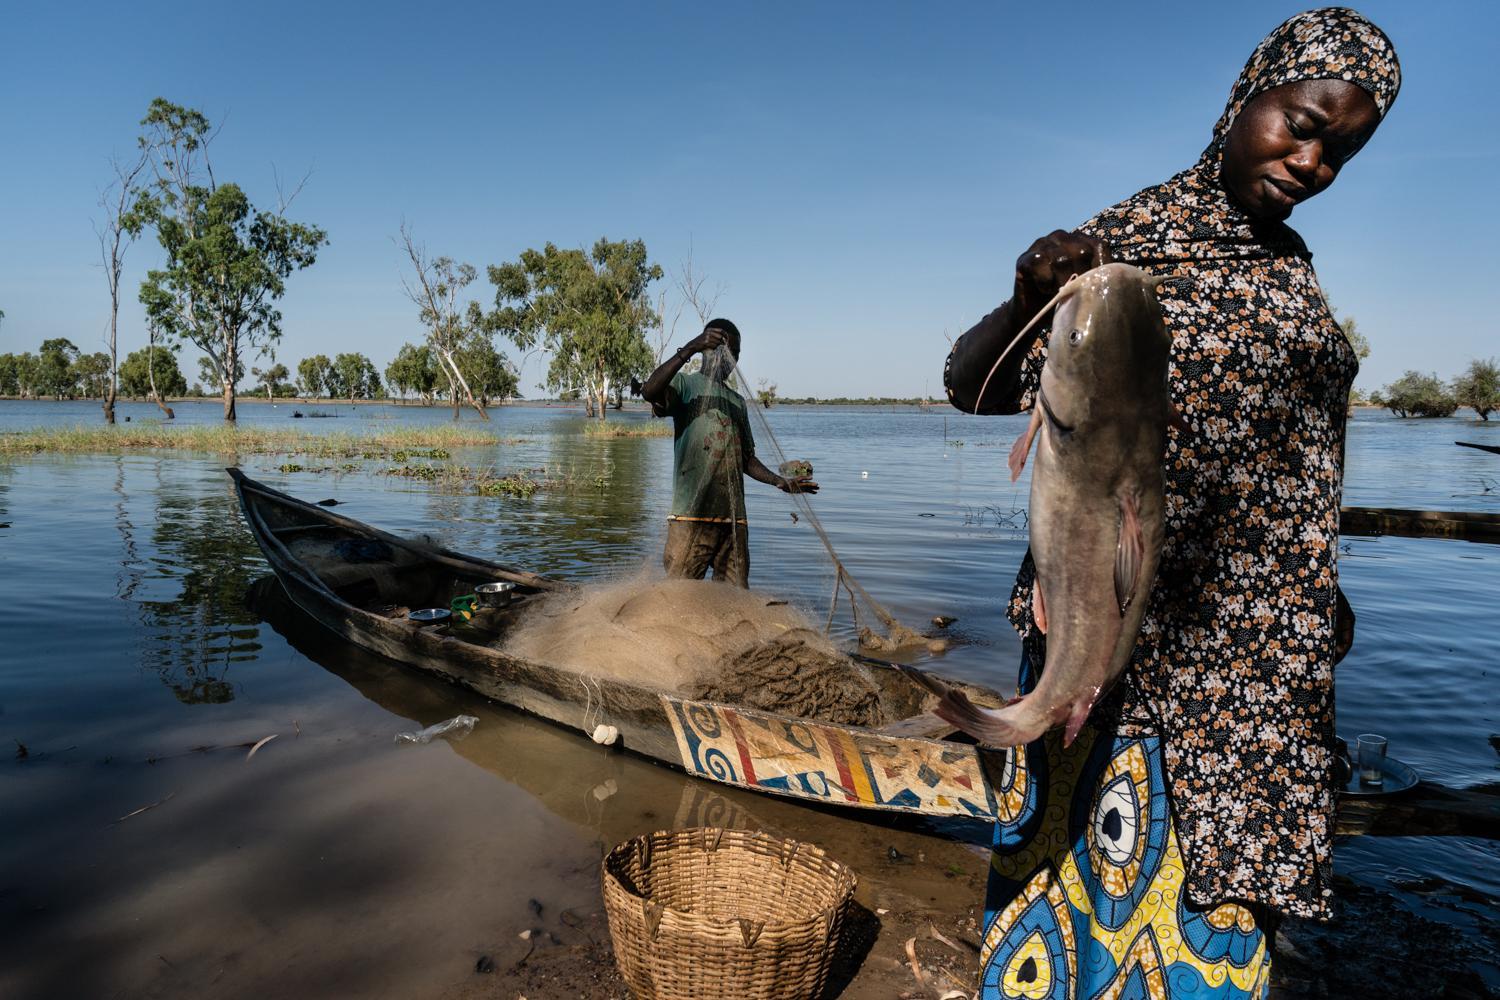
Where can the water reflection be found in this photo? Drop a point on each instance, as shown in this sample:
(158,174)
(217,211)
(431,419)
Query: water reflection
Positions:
(194,637)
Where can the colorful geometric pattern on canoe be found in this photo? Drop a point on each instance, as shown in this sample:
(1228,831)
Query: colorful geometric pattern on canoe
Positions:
(1090,901)
(810,760)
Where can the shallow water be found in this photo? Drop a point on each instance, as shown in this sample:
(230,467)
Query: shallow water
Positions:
(132,639)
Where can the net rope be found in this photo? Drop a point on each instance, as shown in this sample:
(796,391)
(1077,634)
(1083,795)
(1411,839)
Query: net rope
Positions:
(897,634)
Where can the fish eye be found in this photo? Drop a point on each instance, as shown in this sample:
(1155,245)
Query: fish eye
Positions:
(1075,336)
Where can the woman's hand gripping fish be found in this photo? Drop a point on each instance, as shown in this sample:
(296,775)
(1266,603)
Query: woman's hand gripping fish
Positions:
(1096,499)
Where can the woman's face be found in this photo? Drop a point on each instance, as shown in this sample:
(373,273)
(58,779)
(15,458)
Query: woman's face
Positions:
(1290,142)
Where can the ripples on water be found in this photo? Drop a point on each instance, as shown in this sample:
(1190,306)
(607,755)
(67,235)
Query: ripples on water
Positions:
(125,578)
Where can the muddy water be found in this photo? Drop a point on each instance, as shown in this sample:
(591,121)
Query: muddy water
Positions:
(139,659)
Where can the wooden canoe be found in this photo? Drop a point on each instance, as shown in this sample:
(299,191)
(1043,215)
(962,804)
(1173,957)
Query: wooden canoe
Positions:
(1466,525)
(914,764)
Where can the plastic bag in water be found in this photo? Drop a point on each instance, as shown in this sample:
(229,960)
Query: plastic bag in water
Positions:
(457,727)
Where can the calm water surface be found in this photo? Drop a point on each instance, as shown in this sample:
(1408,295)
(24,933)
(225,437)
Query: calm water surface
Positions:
(134,640)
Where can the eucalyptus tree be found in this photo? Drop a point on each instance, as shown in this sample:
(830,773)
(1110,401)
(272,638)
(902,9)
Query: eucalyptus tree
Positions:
(226,261)
(9,384)
(152,373)
(271,377)
(413,370)
(93,375)
(54,374)
(435,288)
(351,376)
(589,311)
(488,371)
(119,228)
(312,375)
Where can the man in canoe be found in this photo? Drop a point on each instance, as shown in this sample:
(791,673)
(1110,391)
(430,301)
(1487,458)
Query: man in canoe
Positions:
(712,452)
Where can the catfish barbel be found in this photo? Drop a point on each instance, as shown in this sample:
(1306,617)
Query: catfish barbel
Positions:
(1096,514)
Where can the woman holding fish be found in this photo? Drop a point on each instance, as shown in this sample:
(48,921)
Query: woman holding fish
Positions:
(1155,838)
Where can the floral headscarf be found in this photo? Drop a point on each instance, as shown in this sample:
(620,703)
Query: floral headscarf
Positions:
(1192,217)
(1332,43)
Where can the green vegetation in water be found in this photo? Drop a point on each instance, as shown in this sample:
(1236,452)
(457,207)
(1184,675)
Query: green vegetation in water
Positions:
(464,479)
(514,485)
(427,442)
(654,429)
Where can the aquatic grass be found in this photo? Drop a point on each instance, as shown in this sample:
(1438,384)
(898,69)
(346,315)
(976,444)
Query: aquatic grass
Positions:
(514,485)
(464,479)
(654,429)
(427,442)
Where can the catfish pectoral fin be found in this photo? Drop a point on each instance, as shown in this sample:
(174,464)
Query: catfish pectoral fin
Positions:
(1007,727)
(1022,447)
(1077,717)
(1129,550)
(1038,607)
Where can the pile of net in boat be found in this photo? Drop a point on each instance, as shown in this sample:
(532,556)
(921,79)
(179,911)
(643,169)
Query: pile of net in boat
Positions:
(703,640)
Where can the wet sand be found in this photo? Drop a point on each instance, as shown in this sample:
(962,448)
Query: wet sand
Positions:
(338,863)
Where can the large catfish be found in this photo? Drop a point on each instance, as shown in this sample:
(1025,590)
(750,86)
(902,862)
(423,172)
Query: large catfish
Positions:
(1096,499)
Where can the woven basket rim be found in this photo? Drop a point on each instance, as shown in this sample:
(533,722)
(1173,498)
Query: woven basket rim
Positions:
(845,880)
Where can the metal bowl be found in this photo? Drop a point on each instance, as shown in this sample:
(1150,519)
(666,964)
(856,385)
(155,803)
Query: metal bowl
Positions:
(494,595)
(429,616)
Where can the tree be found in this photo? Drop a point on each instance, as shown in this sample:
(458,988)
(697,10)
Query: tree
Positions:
(766,393)
(352,376)
(439,281)
(486,370)
(151,373)
(590,311)
(120,228)
(54,368)
(9,384)
(209,373)
(1357,340)
(1418,395)
(413,370)
(271,378)
(312,375)
(93,375)
(692,292)
(1479,388)
(227,262)
(18,373)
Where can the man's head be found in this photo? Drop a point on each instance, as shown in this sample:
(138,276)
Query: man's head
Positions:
(729,330)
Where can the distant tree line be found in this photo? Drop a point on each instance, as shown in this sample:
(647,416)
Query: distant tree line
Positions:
(58,370)
(1417,395)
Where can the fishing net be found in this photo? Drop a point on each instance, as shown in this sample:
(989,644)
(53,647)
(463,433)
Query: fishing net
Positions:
(879,630)
(700,639)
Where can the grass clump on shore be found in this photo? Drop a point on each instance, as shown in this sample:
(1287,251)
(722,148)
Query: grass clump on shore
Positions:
(654,429)
(427,442)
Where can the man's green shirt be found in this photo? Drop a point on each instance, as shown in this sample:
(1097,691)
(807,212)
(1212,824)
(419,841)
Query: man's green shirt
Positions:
(712,441)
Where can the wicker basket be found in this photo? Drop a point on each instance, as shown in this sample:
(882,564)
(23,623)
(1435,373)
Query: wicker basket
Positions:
(724,913)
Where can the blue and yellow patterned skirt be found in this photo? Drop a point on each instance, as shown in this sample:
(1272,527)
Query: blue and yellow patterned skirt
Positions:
(1086,894)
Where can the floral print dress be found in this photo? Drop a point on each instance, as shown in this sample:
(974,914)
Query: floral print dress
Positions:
(1205,781)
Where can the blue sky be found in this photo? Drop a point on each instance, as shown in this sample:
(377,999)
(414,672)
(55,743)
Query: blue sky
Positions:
(859,177)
